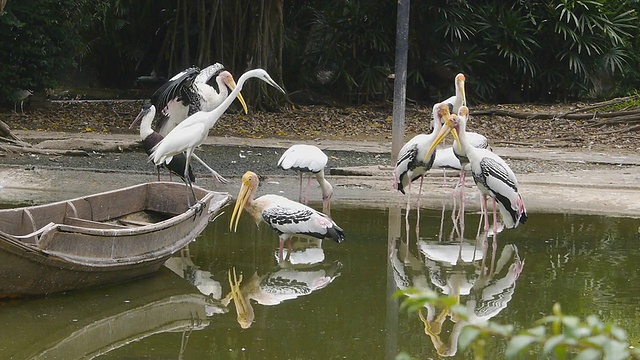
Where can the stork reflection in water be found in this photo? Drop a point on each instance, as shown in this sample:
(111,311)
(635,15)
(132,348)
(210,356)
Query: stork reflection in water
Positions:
(284,282)
(456,269)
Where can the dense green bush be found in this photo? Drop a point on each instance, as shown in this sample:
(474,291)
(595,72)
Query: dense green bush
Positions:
(523,51)
(38,41)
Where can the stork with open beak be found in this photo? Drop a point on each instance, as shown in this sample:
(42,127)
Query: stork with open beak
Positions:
(492,175)
(284,216)
(188,92)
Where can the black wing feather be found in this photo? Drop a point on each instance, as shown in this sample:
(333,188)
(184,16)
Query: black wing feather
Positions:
(180,87)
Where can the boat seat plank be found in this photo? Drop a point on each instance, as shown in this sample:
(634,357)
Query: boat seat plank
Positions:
(74,221)
(134,222)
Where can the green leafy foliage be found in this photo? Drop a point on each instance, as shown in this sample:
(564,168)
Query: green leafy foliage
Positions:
(564,336)
(522,51)
(348,48)
(38,40)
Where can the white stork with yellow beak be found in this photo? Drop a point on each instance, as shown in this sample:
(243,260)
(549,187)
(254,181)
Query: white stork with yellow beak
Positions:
(459,99)
(194,130)
(491,174)
(188,92)
(284,216)
(413,161)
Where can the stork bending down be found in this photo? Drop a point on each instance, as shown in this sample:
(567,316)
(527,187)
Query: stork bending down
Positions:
(286,217)
(308,159)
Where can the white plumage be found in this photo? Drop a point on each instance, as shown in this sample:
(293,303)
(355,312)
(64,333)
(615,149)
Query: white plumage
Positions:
(413,161)
(490,172)
(459,99)
(308,159)
(188,92)
(151,138)
(193,131)
(285,216)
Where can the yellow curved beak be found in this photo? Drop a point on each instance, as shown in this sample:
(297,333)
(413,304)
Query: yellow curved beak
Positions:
(243,196)
(447,128)
(244,312)
(232,85)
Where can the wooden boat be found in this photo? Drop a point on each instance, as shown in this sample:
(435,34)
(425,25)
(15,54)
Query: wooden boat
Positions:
(99,239)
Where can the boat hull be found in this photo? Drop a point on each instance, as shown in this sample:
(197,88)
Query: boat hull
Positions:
(93,249)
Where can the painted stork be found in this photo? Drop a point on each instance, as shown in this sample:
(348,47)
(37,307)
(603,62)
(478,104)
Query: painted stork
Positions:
(278,285)
(284,216)
(193,131)
(413,161)
(492,175)
(151,138)
(188,92)
(308,159)
(459,99)
(459,161)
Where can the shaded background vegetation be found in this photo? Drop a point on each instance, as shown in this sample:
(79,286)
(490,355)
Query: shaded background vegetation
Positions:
(328,51)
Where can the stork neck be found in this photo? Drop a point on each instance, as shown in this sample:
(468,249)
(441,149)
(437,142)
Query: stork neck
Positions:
(462,134)
(145,125)
(222,87)
(216,113)
(325,186)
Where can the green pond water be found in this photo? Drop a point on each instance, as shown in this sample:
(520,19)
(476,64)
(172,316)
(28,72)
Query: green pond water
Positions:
(331,301)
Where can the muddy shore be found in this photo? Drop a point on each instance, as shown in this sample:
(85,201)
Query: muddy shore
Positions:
(551,180)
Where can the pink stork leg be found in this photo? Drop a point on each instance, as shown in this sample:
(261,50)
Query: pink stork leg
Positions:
(461,192)
(300,191)
(495,236)
(306,193)
(418,207)
(406,215)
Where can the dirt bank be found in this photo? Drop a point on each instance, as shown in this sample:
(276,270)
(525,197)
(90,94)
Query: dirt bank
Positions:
(551,180)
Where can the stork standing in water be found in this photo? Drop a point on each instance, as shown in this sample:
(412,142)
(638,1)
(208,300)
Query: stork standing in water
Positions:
(286,217)
(193,131)
(413,161)
(151,138)
(188,92)
(308,159)
(492,175)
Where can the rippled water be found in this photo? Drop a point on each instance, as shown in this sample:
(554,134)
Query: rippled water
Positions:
(334,300)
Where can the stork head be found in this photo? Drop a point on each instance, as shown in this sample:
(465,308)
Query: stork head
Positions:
(450,126)
(228,80)
(249,185)
(147,110)
(326,199)
(460,79)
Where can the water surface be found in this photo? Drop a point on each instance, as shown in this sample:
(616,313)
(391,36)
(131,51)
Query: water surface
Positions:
(334,300)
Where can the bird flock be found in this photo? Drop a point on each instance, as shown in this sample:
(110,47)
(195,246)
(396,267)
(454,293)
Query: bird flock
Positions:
(189,108)
(492,175)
